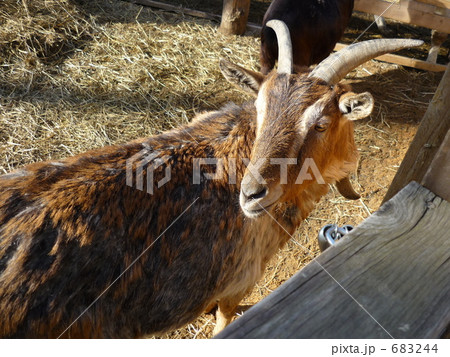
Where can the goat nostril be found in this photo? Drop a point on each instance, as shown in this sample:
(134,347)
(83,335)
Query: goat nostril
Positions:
(256,195)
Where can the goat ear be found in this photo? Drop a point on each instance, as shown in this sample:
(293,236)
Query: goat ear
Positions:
(356,106)
(248,80)
(346,189)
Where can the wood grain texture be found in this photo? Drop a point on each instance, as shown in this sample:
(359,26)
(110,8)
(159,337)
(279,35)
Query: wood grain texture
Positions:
(395,266)
(410,12)
(234,17)
(439,3)
(437,178)
(431,132)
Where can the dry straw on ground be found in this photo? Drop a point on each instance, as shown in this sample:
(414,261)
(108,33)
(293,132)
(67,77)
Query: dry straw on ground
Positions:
(72,83)
(82,74)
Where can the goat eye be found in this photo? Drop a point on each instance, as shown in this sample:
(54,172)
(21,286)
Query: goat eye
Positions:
(320,127)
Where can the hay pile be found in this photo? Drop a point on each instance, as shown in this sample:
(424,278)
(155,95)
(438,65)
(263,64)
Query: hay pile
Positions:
(70,83)
(77,74)
(39,31)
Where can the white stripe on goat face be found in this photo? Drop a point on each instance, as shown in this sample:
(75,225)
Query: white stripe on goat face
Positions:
(305,120)
(311,115)
(261,104)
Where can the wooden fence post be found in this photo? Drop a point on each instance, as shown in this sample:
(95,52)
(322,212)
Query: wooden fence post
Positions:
(429,137)
(234,17)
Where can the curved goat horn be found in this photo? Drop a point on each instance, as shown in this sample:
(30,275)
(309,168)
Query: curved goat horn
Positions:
(336,66)
(285,58)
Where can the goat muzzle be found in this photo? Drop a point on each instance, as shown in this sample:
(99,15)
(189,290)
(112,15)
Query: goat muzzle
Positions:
(256,199)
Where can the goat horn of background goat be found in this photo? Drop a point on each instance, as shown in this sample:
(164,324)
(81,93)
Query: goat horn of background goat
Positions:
(336,66)
(285,58)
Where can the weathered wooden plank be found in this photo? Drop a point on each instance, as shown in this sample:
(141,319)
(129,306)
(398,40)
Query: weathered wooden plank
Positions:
(439,3)
(390,276)
(404,61)
(431,132)
(412,62)
(437,178)
(408,11)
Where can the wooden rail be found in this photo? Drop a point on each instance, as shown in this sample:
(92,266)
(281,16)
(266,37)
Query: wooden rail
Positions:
(389,277)
(432,14)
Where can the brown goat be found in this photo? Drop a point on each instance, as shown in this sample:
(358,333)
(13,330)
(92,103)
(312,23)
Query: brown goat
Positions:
(315,26)
(86,251)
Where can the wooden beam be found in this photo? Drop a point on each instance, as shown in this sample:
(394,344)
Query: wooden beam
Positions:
(412,62)
(429,137)
(389,277)
(438,3)
(234,17)
(437,178)
(408,11)
(404,61)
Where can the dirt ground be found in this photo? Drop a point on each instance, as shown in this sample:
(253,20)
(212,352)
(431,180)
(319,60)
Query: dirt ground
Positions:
(117,71)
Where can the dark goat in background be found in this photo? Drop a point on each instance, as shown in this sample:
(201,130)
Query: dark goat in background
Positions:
(315,26)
